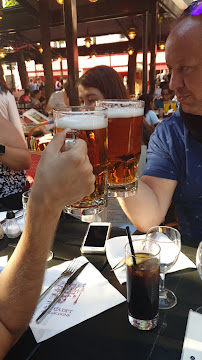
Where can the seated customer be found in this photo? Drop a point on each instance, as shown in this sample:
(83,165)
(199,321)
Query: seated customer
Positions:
(166,99)
(14,159)
(35,103)
(149,114)
(25,98)
(58,99)
(70,171)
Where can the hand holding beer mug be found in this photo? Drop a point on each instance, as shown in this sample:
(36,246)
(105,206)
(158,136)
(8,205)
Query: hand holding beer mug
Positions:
(90,124)
(125,134)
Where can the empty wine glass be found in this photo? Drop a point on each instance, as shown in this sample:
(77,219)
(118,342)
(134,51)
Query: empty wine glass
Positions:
(199,267)
(169,240)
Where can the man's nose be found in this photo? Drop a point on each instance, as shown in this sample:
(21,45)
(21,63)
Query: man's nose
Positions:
(176,80)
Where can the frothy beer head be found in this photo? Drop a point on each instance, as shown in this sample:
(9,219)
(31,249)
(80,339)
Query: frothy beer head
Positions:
(82,122)
(125,112)
(123,108)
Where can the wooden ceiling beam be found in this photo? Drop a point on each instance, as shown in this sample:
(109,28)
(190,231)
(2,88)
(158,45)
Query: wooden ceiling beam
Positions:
(31,6)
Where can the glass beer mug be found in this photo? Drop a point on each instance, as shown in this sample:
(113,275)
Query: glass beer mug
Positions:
(124,135)
(90,124)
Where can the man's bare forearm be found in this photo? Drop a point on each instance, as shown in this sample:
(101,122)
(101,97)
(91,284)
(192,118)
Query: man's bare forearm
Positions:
(149,206)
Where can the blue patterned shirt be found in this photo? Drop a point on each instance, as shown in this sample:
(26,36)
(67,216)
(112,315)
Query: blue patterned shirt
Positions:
(174,154)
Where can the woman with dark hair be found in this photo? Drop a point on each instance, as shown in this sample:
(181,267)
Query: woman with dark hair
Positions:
(8,107)
(166,99)
(103,82)
(35,103)
(149,114)
(100,82)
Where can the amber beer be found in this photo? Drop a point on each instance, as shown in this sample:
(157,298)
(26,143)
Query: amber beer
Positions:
(125,134)
(91,126)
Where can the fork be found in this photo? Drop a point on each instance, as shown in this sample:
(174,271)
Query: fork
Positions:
(68,271)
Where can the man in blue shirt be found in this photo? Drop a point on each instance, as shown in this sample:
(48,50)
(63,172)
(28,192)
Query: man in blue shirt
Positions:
(174,167)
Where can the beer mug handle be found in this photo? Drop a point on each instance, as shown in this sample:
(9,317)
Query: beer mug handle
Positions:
(70,141)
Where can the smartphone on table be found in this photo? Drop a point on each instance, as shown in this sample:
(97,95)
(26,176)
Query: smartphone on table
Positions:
(95,237)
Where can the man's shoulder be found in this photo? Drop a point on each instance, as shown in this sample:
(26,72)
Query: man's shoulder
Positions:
(171,122)
(170,129)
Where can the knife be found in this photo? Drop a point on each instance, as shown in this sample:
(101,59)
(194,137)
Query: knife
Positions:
(55,300)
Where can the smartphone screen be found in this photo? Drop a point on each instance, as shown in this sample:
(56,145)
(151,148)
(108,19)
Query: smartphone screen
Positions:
(96,236)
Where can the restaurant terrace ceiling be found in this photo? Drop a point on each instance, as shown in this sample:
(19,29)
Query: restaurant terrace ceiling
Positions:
(20,26)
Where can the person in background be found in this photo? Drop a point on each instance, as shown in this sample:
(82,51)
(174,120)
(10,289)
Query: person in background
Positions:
(42,98)
(70,171)
(174,170)
(99,83)
(149,113)
(8,107)
(43,94)
(166,98)
(58,86)
(25,98)
(14,159)
(58,99)
(39,82)
(35,103)
(32,86)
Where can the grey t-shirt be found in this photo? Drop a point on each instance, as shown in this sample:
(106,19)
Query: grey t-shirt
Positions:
(57,100)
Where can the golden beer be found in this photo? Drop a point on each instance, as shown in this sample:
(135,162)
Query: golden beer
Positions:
(91,126)
(124,148)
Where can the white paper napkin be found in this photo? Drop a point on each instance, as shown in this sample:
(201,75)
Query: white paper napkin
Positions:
(3,262)
(89,295)
(192,346)
(115,251)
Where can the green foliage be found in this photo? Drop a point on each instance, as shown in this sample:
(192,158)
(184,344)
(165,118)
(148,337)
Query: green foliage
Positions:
(10,3)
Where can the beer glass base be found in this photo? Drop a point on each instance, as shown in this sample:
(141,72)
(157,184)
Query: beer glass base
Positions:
(122,190)
(84,211)
(143,324)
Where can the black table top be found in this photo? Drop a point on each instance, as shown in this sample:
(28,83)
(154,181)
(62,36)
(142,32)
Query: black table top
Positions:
(109,334)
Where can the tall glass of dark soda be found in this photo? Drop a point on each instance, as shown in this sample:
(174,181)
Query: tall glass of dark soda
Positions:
(143,275)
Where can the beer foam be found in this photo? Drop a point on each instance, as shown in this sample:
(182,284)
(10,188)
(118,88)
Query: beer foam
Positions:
(82,122)
(125,112)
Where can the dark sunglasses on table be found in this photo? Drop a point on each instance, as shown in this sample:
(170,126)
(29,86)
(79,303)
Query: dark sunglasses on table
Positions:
(194,9)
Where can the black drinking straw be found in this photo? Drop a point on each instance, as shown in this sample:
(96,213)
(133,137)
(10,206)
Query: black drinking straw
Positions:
(131,244)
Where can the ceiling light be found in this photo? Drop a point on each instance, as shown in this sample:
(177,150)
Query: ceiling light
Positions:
(87,42)
(162,45)
(130,50)
(2,53)
(41,50)
(132,33)
(93,54)
(93,1)
(60,2)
